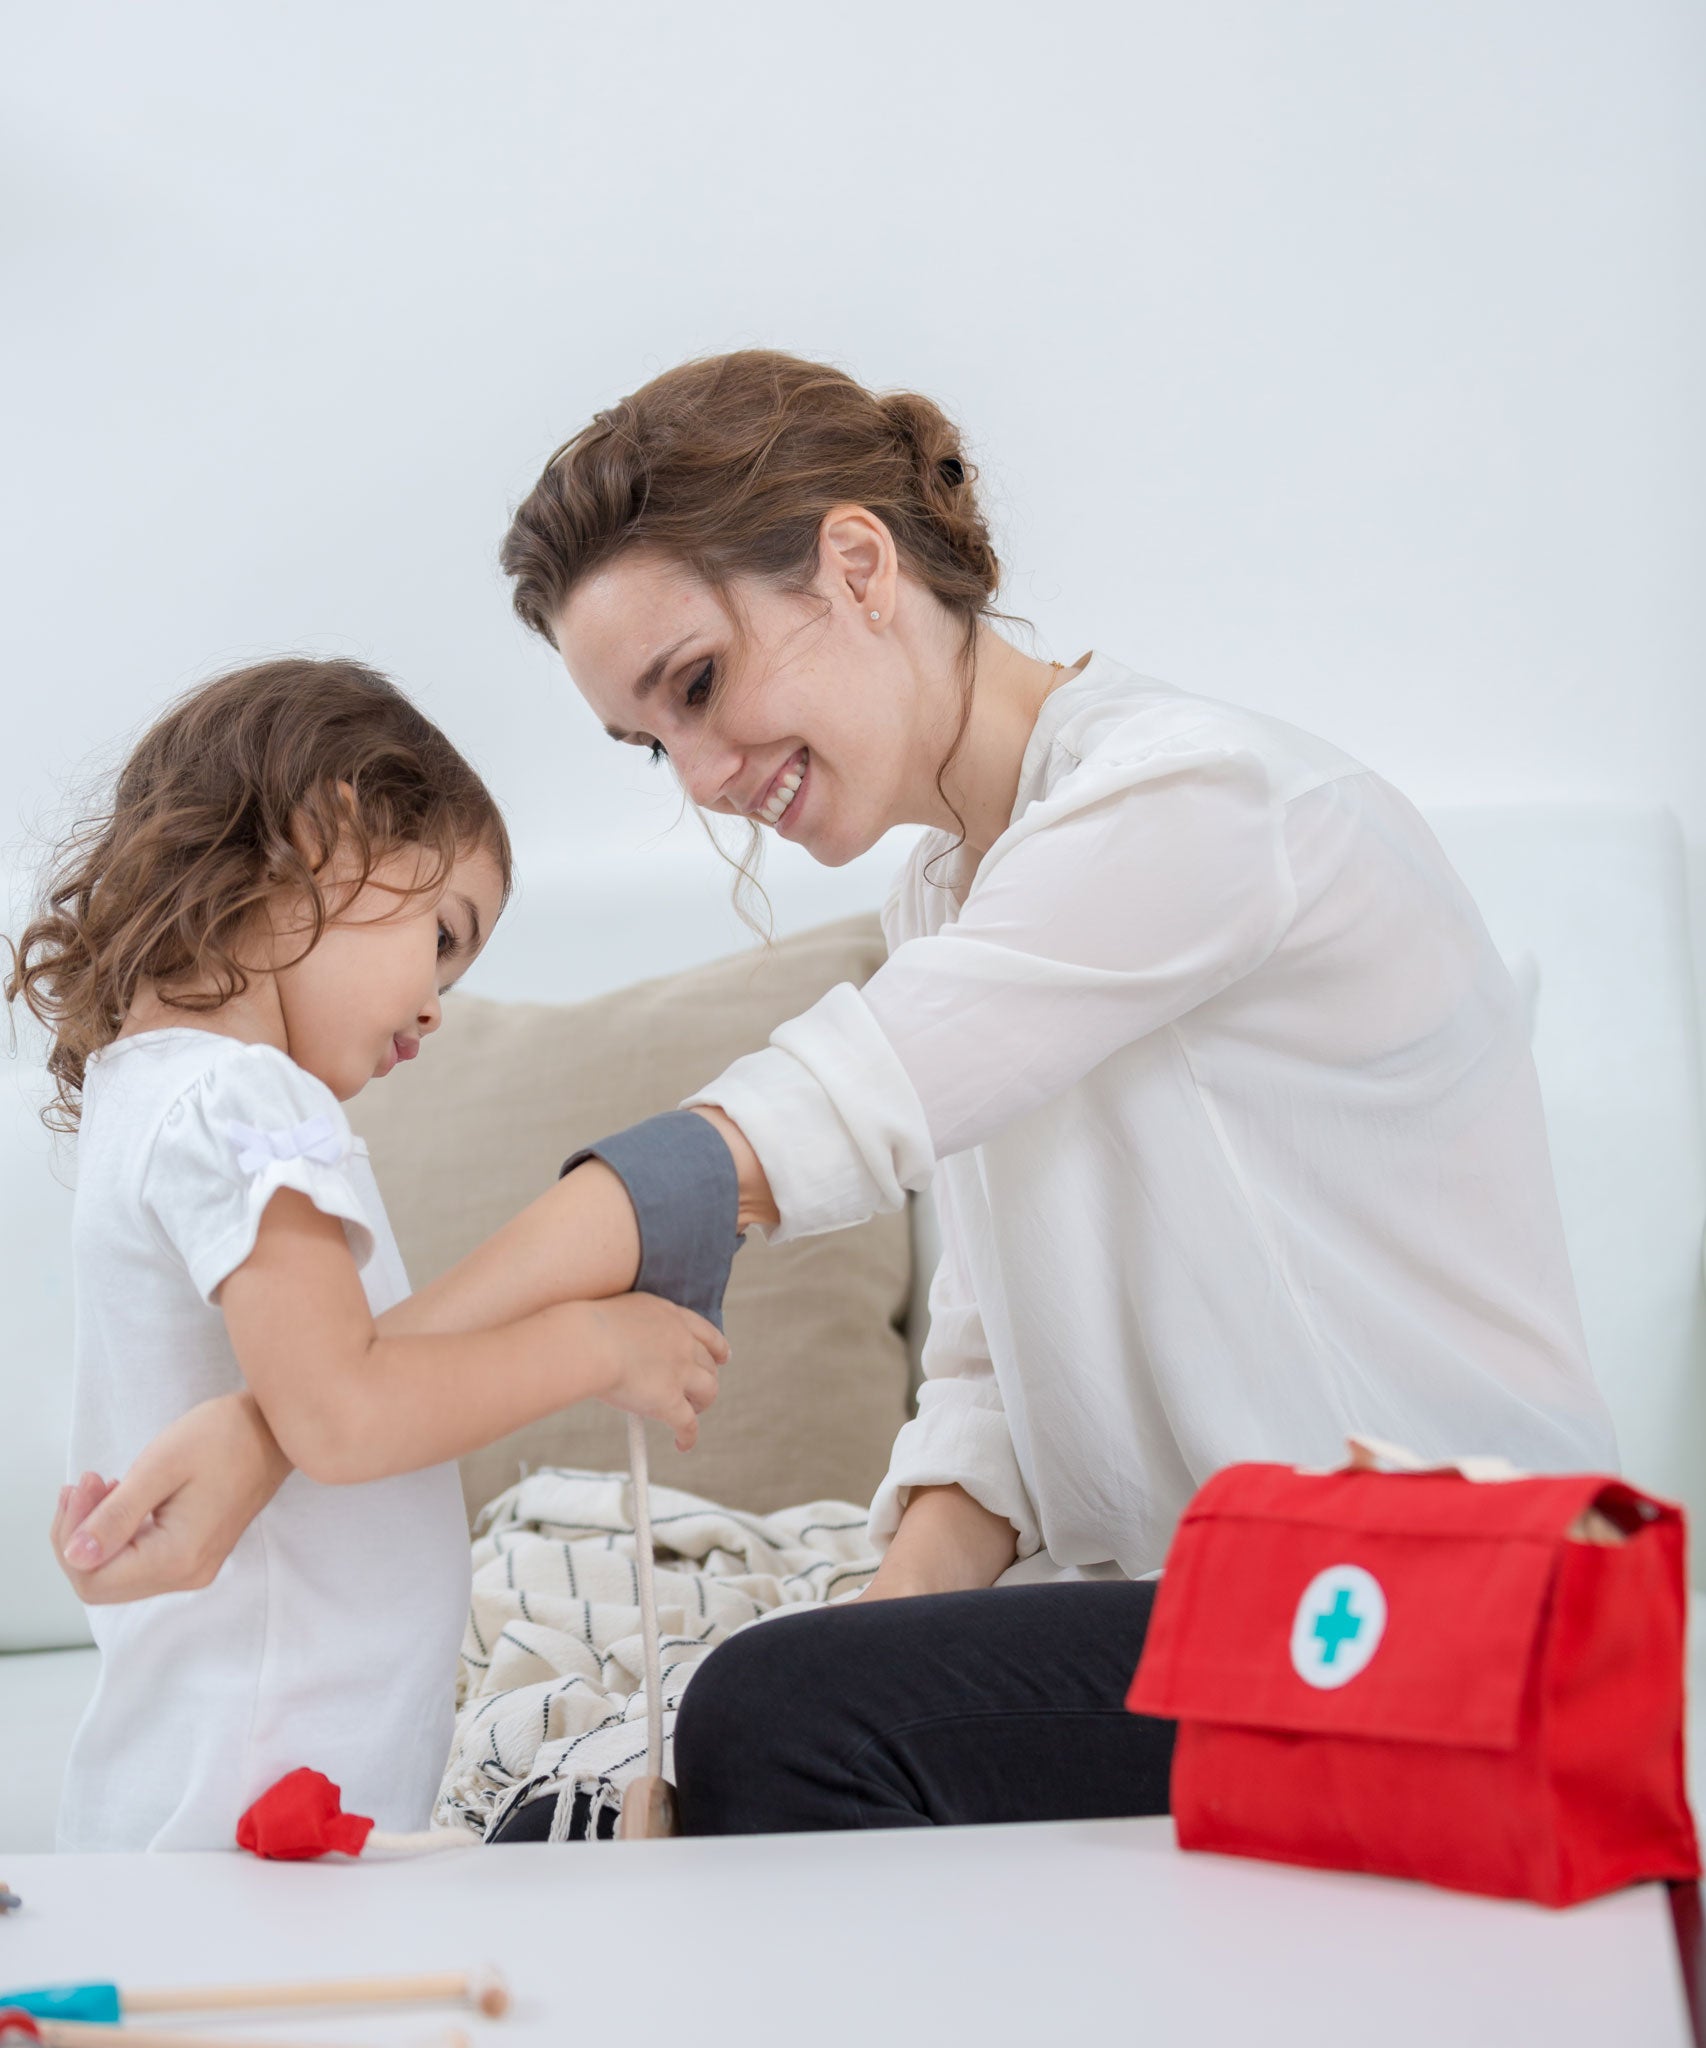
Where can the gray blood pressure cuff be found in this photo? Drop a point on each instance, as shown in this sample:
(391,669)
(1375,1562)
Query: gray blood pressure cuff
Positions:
(681,1178)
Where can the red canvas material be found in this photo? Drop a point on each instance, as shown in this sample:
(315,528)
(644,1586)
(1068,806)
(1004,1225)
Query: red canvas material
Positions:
(1426,1676)
(301,1817)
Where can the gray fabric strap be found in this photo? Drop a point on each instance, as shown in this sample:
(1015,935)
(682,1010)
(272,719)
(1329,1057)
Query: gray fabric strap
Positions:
(681,1178)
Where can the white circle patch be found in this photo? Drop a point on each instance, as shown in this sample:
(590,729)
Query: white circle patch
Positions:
(1338,1626)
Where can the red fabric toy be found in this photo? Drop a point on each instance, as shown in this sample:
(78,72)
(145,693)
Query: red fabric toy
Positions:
(1475,1684)
(302,1817)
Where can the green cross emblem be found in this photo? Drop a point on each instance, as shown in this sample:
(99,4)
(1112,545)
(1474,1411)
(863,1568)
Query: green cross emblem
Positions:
(1338,1626)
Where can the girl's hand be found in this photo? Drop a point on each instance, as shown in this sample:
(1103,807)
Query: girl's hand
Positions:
(76,1503)
(661,1360)
(174,1518)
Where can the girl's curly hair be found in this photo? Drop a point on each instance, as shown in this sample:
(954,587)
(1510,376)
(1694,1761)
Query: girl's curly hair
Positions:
(249,786)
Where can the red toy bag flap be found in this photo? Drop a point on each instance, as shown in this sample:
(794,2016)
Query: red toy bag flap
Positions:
(1282,1587)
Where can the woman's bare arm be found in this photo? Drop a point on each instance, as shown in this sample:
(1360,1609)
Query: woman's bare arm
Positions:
(946,1543)
(757,1203)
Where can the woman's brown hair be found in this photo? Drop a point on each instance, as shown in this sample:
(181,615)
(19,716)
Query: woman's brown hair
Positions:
(728,465)
(250,785)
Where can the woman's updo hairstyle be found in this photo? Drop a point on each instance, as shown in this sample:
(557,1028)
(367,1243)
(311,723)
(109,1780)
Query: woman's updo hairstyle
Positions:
(728,466)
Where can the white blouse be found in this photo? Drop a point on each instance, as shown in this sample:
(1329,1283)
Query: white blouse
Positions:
(1235,1133)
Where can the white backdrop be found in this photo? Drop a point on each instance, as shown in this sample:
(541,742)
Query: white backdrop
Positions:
(1339,357)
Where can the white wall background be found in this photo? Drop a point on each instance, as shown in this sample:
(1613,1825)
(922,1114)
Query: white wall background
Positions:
(1340,357)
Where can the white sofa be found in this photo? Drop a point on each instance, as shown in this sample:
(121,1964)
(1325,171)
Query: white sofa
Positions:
(1589,902)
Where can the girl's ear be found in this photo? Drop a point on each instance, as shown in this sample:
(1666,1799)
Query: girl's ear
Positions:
(857,560)
(316,826)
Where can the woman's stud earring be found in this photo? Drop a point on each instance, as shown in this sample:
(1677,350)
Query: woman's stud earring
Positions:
(876,615)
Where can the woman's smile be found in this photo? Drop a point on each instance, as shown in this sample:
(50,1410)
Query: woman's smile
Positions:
(784,791)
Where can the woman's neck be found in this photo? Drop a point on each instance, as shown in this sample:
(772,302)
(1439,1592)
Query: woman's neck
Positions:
(983,782)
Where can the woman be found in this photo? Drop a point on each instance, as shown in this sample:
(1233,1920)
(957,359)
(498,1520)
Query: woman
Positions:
(1223,1091)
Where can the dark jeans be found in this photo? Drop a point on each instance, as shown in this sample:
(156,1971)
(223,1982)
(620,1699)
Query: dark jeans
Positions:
(930,1712)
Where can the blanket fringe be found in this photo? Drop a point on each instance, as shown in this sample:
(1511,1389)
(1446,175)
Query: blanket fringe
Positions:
(552,1692)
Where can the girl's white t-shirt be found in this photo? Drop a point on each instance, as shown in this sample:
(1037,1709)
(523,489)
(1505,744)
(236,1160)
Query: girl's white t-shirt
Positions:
(1227,1102)
(329,1637)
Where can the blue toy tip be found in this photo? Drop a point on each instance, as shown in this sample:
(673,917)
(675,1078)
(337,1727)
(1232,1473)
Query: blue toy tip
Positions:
(90,2004)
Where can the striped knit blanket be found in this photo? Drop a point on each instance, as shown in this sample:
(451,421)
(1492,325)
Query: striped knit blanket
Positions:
(550,1693)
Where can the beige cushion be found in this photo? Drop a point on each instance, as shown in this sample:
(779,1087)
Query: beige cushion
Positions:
(816,1387)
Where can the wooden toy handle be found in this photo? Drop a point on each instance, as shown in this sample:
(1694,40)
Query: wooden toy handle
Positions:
(645,1571)
(455,1987)
(92,2034)
(1375,1454)
(648,1805)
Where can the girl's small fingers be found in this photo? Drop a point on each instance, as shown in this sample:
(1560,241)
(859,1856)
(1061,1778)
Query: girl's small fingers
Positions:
(711,1337)
(75,1501)
(133,1575)
(107,1525)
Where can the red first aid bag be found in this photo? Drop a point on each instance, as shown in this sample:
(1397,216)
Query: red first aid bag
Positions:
(1472,1681)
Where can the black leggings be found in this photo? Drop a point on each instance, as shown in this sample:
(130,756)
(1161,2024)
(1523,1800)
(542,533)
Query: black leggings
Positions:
(938,1711)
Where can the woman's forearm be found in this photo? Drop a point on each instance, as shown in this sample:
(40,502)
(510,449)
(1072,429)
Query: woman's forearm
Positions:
(756,1203)
(946,1543)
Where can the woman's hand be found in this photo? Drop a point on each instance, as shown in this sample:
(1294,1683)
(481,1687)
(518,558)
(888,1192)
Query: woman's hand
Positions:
(946,1543)
(174,1518)
(657,1360)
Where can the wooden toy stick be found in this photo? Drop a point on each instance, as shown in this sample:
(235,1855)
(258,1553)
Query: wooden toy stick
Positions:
(483,1989)
(88,2034)
(648,1805)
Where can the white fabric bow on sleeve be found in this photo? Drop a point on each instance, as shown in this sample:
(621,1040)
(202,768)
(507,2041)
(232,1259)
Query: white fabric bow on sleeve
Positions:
(318,1139)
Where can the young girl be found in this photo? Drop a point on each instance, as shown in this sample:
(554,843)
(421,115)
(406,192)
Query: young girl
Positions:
(294,867)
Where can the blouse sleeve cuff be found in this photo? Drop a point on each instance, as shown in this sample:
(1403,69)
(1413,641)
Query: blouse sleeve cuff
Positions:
(833,1116)
(680,1177)
(326,1186)
(963,1446)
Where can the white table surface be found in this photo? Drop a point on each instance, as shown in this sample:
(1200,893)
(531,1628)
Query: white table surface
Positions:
(1094,1932)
